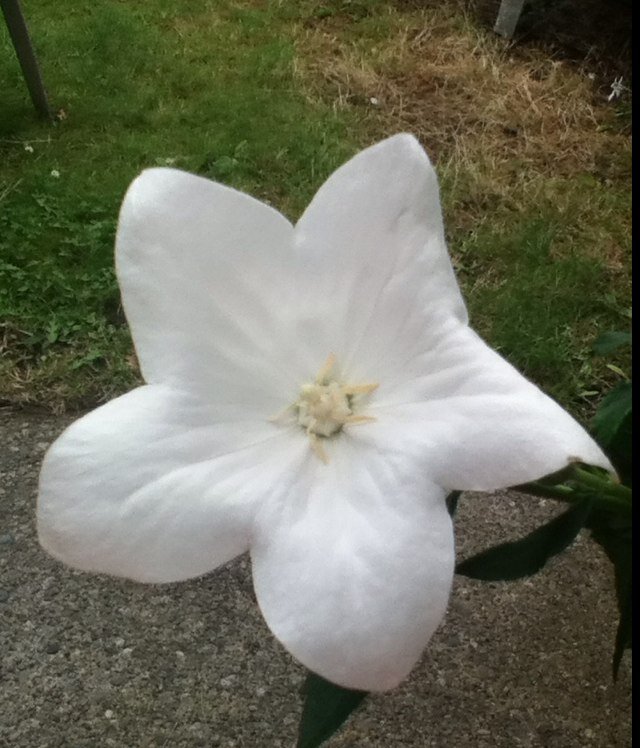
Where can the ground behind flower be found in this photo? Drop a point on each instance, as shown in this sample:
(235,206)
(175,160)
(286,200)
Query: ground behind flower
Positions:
(534,161)
(92,662)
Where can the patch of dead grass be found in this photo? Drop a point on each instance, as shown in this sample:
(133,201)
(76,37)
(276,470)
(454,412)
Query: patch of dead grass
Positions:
(500,120)
(461,89)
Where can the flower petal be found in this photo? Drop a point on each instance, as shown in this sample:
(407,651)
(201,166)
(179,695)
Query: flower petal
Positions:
(481,424)
(204,279)
(155,486)
(353,573)
(372,260)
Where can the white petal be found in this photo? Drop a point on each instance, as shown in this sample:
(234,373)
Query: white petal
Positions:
(204,276)
(372,261)
(481,424)
(155,487)
(353,571)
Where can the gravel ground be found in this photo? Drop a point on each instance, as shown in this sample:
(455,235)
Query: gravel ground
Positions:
(88,661)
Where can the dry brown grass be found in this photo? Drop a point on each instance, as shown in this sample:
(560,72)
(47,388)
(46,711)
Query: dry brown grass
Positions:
(500,119)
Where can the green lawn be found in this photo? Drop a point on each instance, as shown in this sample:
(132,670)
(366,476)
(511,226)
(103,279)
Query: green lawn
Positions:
(270,98)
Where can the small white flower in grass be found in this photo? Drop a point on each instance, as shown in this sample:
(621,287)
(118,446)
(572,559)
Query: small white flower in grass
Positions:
(28,148)
(617,89)
(55,173)
(313,393)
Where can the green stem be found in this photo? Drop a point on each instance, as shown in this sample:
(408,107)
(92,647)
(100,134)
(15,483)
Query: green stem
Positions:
(535,488)
(584,484)
(615,493)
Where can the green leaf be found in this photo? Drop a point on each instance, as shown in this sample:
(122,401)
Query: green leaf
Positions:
(623,634)
(611,413)
(613,532)
(611,341)
(619,451)
(524,557)
(326,707)
(612,427)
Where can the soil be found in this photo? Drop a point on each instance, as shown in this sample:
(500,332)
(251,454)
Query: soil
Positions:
(95,662)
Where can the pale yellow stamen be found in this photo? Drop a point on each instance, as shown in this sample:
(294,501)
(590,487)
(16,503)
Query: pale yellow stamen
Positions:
(359,419)
(325,406)
(318,448)
(360,389)
(323,374)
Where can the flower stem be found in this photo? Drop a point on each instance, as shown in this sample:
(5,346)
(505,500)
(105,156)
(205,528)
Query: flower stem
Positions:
(581,484)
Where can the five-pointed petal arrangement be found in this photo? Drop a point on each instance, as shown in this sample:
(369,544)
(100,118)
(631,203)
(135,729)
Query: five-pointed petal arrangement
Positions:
(313,393)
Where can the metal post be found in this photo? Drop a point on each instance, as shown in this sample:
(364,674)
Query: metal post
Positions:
(26,56)
(508,17)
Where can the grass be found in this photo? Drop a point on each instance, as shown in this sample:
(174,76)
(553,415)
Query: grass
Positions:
(270,98)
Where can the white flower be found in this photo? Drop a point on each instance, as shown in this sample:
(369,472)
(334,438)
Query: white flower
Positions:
(617,89)
(28,148)
(313,395)
(55,173)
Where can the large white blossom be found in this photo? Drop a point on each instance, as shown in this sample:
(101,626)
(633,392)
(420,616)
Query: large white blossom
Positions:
(313,393)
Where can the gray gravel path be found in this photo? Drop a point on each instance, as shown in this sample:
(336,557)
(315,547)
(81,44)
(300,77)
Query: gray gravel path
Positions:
(93,662)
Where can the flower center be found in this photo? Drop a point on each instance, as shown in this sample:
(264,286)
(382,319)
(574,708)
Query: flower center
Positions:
(323,409)
(325,406)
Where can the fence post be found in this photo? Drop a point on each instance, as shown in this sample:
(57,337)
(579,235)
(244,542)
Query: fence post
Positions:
(508,17)
(26,56)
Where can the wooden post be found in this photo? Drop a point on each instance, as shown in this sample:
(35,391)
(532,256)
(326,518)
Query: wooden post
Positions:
(508,17)
(26,56)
